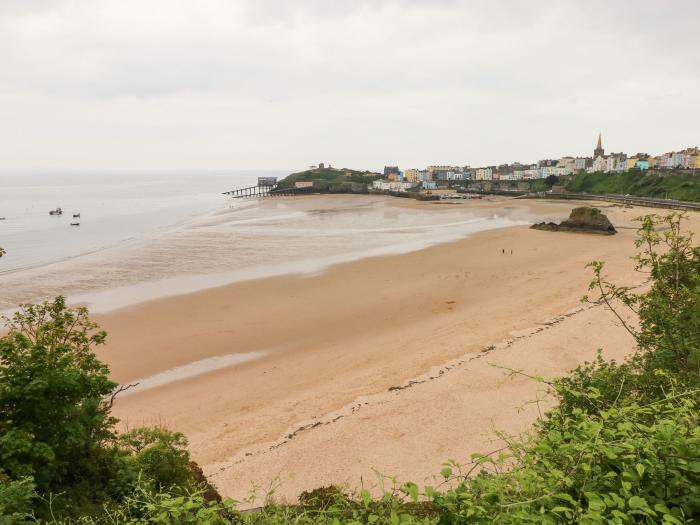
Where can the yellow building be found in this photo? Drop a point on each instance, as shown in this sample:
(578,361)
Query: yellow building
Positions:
(697,161)
(631,163)
(410,175)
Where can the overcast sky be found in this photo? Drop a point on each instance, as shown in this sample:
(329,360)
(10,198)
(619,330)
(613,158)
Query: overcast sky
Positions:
(161,84)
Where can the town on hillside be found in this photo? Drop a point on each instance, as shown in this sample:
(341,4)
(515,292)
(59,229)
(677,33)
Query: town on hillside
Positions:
(684,161)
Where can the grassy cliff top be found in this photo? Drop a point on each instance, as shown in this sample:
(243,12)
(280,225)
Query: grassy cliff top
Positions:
(338,175)
(683,187)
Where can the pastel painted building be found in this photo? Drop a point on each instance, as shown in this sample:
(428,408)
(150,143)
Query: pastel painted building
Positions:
(581,163)
(689,157)
(677,158)
(610,164)
(567,165)
(411,175)
(642,164)
(662,162)
(483,174)
(438,172)
(599,164)
(614,162)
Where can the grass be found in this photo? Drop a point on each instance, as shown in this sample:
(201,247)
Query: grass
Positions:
(672,186)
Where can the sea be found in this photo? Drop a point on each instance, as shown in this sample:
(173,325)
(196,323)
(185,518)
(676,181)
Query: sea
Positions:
(145,235)
(113,207)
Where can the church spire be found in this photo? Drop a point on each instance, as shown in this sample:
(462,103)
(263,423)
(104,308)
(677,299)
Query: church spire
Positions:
(599,151)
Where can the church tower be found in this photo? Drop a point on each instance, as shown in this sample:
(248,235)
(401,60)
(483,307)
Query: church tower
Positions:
(599,151)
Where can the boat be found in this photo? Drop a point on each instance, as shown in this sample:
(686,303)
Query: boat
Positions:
(57,211)
(76,215)
(2,218)
(75,224)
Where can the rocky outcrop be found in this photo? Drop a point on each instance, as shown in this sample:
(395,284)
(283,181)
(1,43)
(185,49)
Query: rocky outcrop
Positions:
(584,219)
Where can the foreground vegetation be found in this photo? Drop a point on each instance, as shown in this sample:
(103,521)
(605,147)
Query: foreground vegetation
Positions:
(622,446)
(671,186)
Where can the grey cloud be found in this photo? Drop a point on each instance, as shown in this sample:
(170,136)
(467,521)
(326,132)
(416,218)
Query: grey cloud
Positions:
(422,78)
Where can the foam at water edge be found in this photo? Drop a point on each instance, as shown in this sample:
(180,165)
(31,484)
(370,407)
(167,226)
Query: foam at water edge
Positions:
(189,370)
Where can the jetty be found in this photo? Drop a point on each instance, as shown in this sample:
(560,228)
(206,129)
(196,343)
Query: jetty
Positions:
(268,187)
(267,191)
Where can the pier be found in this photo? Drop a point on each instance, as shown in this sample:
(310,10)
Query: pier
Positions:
(267,191)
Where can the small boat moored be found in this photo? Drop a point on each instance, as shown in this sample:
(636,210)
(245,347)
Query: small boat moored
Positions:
(57,211)
(75,224)
(76,215)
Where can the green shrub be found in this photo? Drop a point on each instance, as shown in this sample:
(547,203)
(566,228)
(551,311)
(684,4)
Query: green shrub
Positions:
(16,499)
(160,455)
(56,432)
(53,420)
(630,463)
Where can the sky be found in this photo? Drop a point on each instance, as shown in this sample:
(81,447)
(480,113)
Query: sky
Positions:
(282,84)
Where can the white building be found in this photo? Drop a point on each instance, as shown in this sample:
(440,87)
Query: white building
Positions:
(580,163)
(600,164)
(677,159)
(386,185)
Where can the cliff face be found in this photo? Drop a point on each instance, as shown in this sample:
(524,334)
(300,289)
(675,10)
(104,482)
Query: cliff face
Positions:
(584,219)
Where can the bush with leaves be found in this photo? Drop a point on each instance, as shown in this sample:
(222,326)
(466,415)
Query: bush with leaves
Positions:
(55,425)
(16,500)
(160,455)
(669,313)
(53,421)
(626,464)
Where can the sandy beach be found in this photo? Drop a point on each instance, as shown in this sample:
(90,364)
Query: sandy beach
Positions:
(379,365)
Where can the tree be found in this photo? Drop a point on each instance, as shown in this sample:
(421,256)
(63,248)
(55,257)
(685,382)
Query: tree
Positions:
(53,418)
(551,180)
(58,444)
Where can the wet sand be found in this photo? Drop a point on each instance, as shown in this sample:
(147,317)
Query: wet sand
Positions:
(321,405)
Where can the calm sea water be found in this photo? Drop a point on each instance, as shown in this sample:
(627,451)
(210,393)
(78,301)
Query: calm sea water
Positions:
(149,235)
(113,207)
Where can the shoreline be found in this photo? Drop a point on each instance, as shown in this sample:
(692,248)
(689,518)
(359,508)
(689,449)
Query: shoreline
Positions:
(361,329)
(200,256)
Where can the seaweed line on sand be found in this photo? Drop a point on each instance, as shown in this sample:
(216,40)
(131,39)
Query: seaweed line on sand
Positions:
(380,397)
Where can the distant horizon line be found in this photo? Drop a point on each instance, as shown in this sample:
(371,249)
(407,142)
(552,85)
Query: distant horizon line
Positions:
(9,171)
